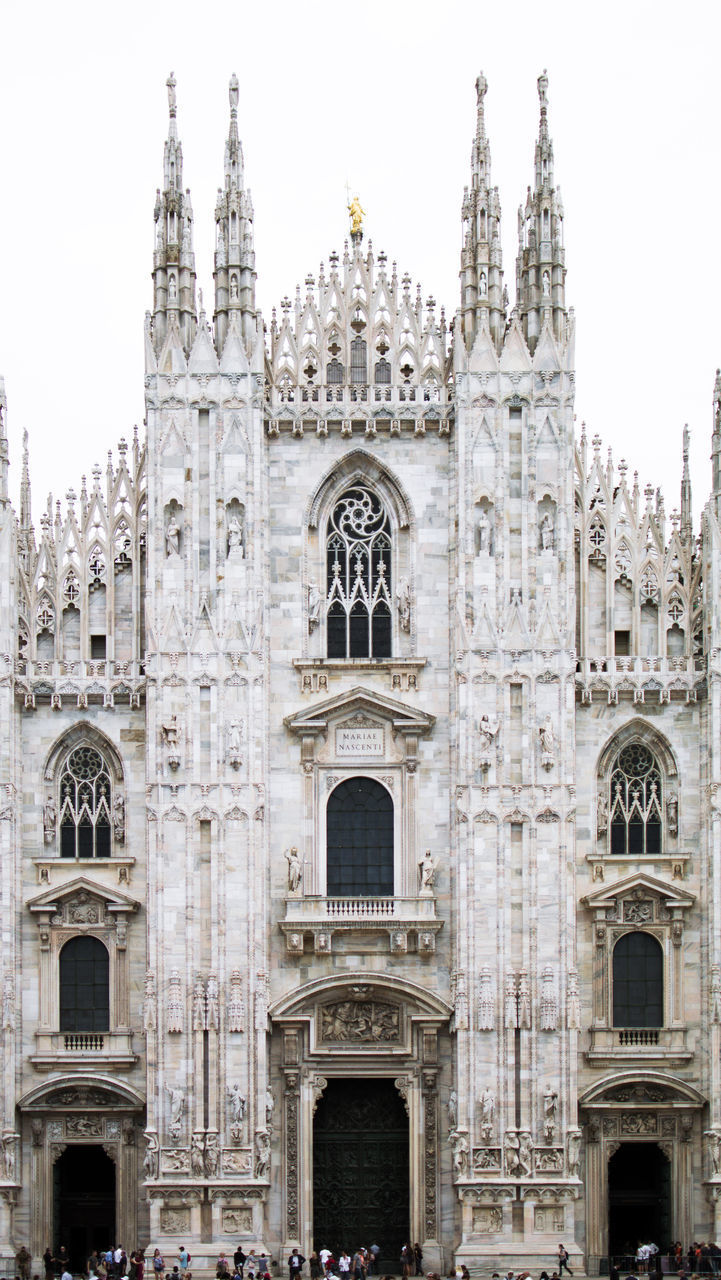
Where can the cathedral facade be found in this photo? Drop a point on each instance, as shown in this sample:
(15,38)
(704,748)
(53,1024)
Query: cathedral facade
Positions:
(361,864)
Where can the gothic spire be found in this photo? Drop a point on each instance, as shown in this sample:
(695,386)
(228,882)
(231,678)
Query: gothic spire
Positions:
(481,260)
(234,252)
(686,514)
(540,266)
(4,457)
(173,259)
(716,442)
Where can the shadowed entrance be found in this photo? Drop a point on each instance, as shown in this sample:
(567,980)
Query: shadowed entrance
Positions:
(360,1169)
(639,1197)
(84,1202)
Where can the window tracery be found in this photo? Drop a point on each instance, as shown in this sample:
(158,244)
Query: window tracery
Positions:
(85,805)
(359,588)
(636,802)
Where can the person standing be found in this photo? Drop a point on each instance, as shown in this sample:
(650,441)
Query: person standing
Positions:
(563,1260)
(418,1258)
(239,1261)
(295,1263)
(23,1260)
(373,1254)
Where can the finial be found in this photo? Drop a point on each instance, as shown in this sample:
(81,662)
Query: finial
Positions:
(481,88)
(172,101)
(233,94)
(357,214)
(686,440)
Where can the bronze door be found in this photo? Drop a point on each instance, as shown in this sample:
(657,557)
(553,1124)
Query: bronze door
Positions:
(360,1169)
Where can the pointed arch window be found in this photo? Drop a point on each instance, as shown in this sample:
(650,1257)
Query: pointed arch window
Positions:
(86,805)
(358,566)
(358,361)
(636,802)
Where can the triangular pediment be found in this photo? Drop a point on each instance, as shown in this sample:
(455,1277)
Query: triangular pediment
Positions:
(360,701)
(81,888)
(515,356)
(671,894)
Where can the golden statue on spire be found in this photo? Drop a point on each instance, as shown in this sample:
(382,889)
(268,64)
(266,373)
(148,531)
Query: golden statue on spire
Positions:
(357,214)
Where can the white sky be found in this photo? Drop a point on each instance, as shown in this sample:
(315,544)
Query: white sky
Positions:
(379,93)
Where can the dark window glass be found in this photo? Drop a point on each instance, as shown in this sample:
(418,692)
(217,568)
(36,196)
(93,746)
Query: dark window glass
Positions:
(84,986)
(358,550)
(85,805)
(358,360)
(637,981)
(636,802)
(360,840)
(334,371)
(383,373)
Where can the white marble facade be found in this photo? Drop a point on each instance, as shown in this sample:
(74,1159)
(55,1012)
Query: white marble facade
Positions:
(537,615)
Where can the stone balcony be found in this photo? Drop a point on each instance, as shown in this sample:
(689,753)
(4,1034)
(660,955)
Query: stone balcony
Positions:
(639,679)
(355,410)
(644,1044)
(64,1050)
(410,923)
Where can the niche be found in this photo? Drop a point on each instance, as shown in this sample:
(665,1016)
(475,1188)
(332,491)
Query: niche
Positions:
(675,641)
(546,525)
(235,530)
(172,523)
(484,528)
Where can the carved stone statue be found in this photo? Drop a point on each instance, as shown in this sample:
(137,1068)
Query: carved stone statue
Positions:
(175,1002)
(50,817)
(459,1143)
(8,1143)
(295,869)
(547,532)
(235,537)
(199,1005)
(510,1152)
(525,1155)
(550,1107)
(171,741)
(150,1159)
(672,814)
(262,1153)
(172,536)
(197,1144)
(403,600)
(602,815)
(488,729)
(714,1152)
(452,1109)
(574,1154)
(314,603)
(119,819)
(548,742)
(488,1107)
(212,1011)
(212,1154)
(269,1106)
(546,285)
(237,1104)
(484,533)
(177,1106)
(427,872)
(150,1011)
(234,743)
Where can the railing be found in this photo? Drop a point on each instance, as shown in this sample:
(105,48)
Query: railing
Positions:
(91,1043)
(638,1037)
(361,393)
(311,909)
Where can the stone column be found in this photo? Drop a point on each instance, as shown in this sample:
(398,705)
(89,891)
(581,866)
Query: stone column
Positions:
(430,1127)
(292,1163)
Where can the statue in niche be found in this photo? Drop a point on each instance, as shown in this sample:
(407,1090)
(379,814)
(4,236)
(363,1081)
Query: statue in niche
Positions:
(172,288)
(510,1150)
(234,744)
(488,729)
(234,288)
(212,1154)
(172,536)
(548,742)
(525,1155)
(211,1001)
(714,1151)
(295,869)
(672,814)
(546,285)
(427,872)
(484,533)
(262,1153)
(8,1144)
(403,600)
(235,537)
(484,285)
(314,603)
(50,817)
(547,532)
(459,1143)
(237,1104)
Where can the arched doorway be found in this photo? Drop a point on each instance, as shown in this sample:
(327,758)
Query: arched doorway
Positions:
(83,1202)
(361,1169)
(639,1197)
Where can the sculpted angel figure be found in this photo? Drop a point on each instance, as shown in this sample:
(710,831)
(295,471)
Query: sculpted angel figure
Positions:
(172,536)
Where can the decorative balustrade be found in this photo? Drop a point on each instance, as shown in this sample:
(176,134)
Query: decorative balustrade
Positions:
(613,1044)
(640,678)
(62,1050)
(409,922)
(85,1043)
